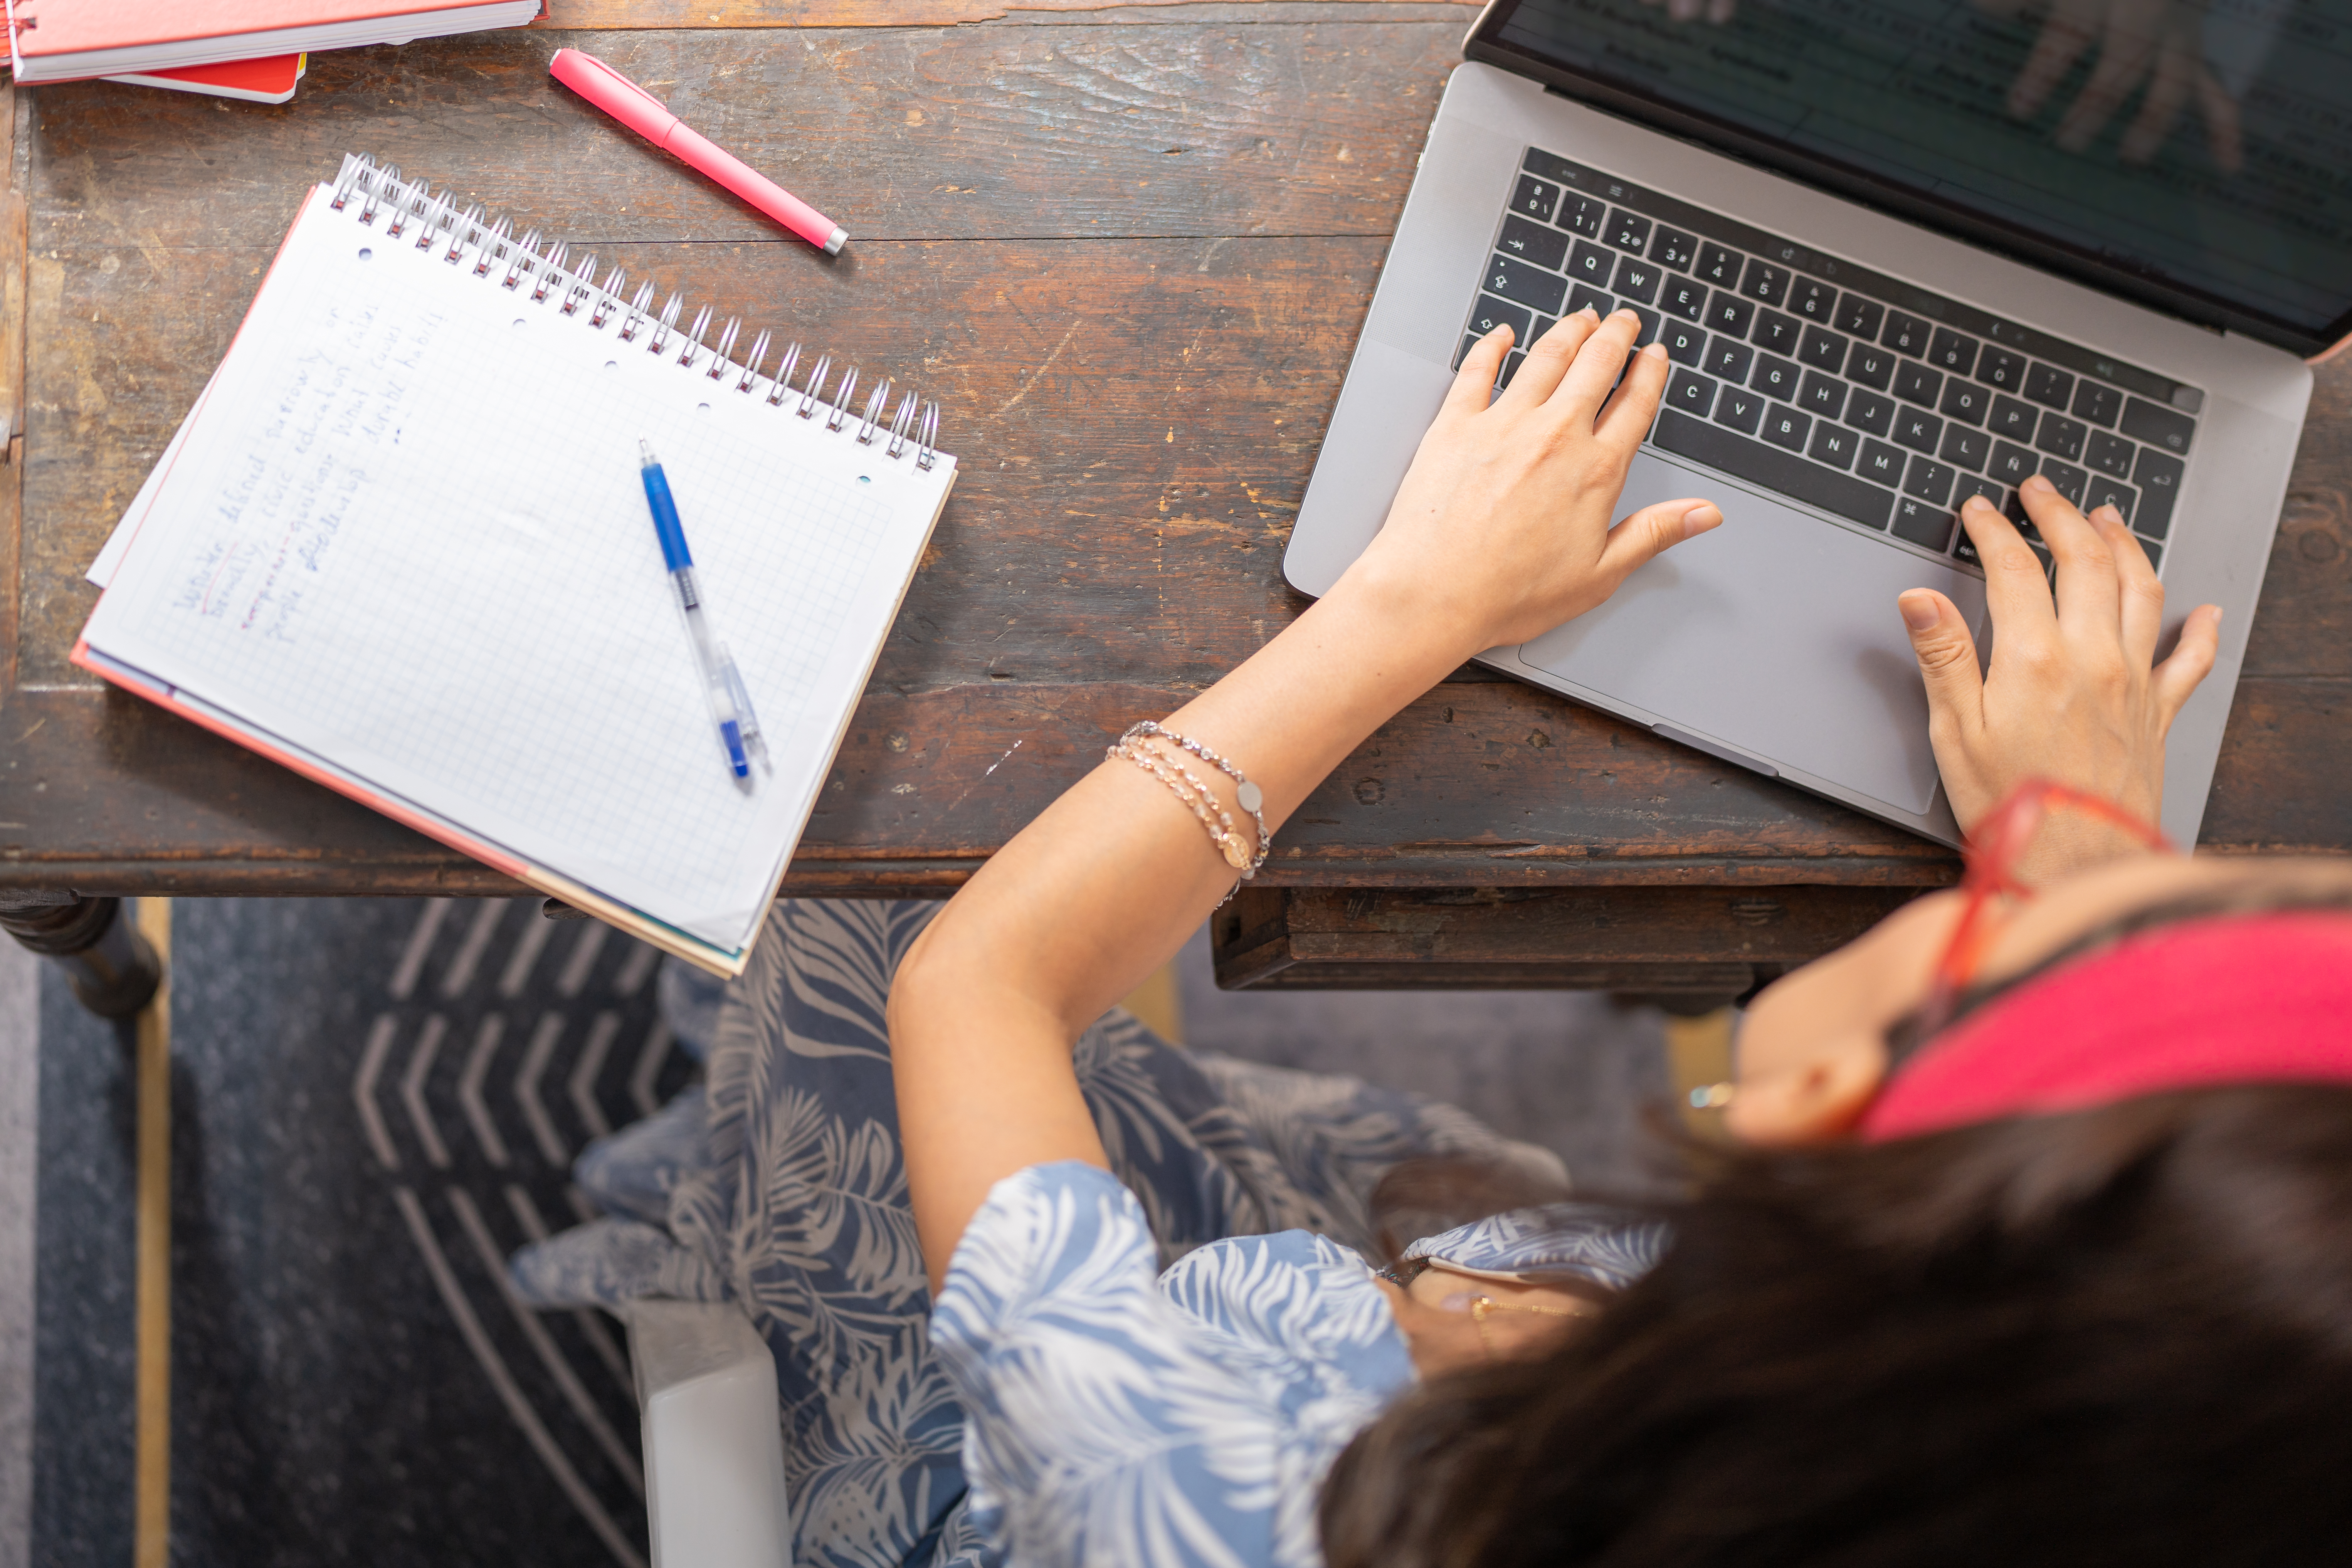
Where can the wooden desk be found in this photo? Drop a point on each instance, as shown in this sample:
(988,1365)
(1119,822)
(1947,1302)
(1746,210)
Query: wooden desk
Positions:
(1130,252)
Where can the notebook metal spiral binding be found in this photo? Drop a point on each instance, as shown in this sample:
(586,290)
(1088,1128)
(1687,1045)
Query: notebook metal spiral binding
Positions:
(403,208)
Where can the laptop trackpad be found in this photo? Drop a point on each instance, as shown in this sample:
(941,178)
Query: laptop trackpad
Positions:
(1777,634)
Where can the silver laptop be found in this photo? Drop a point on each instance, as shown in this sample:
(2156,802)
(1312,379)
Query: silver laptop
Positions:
(1884,290)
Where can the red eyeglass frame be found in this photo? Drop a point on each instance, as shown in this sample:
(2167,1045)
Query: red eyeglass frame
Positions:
(1990,859)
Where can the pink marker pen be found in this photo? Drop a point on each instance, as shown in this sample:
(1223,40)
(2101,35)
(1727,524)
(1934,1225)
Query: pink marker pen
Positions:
(650,118)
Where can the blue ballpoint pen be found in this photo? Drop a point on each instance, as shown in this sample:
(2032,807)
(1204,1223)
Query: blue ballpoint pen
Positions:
(731,705)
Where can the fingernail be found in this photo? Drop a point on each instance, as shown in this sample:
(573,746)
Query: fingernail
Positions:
(1655,350)
(1975,501)
(1588,311)
(2038,485)
(2108,513)
(1700,518)
(1918,614)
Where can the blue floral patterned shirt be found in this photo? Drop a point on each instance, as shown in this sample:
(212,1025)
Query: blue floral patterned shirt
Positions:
(1117,1414)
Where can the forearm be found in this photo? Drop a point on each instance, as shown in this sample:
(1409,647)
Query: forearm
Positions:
(1103,888)
(1500,531)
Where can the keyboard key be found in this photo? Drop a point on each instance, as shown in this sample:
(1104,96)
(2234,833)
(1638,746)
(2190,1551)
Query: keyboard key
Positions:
(1923,522)
(1490,312)
(1533,242)
(1870,412)
(1917,384)
(2164,427)
(1692,393)
(1543,324)
(1651,324)
(1787,427)
(1728,314)
(2013,465)
(2103,492)
(2060,436)
(1637,280)
(1871,365)
(1971,485)
(1588,263)
(1510,368)
(1684,297)
(1964,549)
(1929,481)
(2046,384)
(1812,300)
(2158,479)
(1741,409)
(2155,552)
(1584,297)
(1918,429)
(2108,454)
(1526,284)
(1719,266)
(1729,361)
(1833,444)
(1840,494)
(1950,352)
(1627,231)
(1534,198)
(1964,447)
(1764,281)
(1462,352)
(1823,396)
(1860,317)
(1674,249)
(1964,401)
(2068,478)
(2014,419)
(1881,462)
(1585,214)
(1904,335)
(2002,370)
(1776,333)
(2098,403)
(1685,344)
(1822,350)
(1776,377)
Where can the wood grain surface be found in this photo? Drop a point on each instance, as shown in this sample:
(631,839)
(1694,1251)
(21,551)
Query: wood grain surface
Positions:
(703,14)
(1129,255)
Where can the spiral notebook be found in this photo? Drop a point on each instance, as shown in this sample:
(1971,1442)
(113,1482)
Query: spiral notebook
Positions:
(400,546)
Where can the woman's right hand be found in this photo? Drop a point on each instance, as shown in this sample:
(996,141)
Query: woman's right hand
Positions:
(2074,694)
(1502,528)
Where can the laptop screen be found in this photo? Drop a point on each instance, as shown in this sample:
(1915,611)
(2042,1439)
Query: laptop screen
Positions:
(2199,149)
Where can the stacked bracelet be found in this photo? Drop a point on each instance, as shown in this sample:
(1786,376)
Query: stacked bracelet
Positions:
(1189,788)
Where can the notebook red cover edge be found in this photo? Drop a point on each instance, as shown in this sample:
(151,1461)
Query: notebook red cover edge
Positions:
(167,698)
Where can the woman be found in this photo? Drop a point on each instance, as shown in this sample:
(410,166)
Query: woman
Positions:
(1497,1396)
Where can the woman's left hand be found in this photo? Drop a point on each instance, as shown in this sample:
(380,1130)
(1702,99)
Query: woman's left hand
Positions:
(1501,530)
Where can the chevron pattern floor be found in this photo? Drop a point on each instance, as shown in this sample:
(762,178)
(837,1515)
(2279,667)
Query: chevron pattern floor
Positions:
(373,1103)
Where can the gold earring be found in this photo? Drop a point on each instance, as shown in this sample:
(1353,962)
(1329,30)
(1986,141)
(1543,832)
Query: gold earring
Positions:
(1713,1096)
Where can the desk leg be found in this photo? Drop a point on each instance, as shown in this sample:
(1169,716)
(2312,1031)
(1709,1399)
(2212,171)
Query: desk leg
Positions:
(111,966)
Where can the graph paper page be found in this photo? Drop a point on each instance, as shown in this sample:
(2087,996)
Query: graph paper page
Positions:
(404,531)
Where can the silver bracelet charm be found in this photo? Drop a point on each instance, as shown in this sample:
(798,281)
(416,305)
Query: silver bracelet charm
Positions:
(1250,797)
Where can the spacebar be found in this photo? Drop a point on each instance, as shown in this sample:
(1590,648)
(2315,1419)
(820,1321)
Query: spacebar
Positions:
(1773,468)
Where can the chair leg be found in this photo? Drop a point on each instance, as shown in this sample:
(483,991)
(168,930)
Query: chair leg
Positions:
(111,968)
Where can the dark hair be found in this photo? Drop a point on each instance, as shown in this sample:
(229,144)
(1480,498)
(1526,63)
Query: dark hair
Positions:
(2121,1336)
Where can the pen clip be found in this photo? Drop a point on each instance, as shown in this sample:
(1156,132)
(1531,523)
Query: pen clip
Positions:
(619,80)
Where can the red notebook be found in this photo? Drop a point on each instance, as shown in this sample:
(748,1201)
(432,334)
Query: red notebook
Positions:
(270,80)
(67,41)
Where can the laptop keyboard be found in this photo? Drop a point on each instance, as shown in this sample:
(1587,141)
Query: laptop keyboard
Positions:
(1853,393)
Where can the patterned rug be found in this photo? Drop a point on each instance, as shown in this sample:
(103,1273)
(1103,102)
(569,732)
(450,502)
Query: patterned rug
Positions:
(373,1103)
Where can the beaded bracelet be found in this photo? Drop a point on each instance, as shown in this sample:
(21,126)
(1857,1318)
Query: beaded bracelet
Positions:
(1251,798)
(1215,817)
